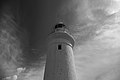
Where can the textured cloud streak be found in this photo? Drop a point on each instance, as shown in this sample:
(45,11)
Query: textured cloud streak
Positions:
(83,10)
(10,45)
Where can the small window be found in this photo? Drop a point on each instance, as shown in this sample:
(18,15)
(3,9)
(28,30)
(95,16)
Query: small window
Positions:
(59,47)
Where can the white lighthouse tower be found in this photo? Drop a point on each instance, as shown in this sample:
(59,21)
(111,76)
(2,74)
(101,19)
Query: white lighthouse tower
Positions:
(60,60)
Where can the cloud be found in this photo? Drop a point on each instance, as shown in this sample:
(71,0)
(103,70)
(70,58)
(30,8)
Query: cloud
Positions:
(10,46)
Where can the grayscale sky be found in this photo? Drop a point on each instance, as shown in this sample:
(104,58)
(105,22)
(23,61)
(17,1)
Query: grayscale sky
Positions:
(94,25)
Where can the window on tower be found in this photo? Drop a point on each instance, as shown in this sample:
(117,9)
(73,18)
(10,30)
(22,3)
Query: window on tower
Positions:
(59,47)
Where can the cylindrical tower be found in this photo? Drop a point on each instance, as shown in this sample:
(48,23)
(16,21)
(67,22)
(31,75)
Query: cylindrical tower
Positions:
(60,60)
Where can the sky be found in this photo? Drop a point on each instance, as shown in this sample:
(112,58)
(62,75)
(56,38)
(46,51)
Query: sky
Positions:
(93,23)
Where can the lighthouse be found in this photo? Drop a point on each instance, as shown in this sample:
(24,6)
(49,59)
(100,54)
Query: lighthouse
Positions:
(60,61)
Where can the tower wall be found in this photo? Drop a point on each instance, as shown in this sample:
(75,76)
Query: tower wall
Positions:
(60,60)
